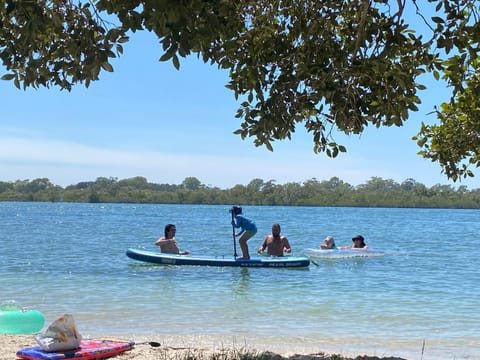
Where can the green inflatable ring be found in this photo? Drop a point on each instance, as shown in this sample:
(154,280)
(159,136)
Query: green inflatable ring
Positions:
(16,320)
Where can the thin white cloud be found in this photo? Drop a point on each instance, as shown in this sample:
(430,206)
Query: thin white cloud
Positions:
(67,163)
(68,160)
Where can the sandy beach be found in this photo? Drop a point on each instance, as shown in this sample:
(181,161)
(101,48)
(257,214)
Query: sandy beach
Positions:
(178,349)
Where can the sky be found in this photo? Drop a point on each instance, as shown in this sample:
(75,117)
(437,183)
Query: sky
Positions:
(148,119)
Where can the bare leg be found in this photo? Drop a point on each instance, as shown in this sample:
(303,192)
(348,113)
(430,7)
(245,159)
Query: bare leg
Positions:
(243,244)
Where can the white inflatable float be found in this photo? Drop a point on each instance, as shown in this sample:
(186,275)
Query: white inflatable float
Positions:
(340,253)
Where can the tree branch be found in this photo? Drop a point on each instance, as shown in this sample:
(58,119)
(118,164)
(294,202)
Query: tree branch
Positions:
(361,26)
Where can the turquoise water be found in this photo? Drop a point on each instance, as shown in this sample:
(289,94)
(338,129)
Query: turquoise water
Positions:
(70,258)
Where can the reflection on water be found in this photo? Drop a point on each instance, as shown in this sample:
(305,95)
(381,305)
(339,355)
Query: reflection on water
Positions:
(241,281)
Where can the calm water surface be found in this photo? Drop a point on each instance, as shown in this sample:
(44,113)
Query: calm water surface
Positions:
(70,258)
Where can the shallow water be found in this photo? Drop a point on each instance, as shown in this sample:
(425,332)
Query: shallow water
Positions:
(70,258)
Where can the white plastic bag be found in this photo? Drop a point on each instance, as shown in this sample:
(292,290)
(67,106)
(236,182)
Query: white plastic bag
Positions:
(61,335)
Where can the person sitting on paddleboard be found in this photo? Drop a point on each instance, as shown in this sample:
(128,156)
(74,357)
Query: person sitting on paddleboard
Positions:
(275,243)
(328,243)
(247,229)
(358,243)
(168,243)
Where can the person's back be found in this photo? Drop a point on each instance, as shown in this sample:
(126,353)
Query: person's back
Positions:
(244,223)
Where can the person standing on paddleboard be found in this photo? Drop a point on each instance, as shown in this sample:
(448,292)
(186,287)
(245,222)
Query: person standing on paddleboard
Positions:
(247,230)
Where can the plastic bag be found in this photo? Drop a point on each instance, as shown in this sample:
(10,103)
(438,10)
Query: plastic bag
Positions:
(61,335)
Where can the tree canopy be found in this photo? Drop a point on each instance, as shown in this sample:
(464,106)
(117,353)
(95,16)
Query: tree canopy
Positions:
(327,65)
(376,192)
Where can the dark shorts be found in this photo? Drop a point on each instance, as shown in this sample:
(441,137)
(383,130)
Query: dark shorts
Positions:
(251,232)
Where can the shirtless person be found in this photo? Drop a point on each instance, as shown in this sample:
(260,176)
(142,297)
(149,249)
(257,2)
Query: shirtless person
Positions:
(276,244)
(168,243)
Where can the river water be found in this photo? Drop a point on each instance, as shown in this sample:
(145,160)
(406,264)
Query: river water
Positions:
(419,300)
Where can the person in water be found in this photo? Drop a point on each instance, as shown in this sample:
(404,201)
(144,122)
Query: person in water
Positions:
(358,243)
(168,243)
(328,243)
(247,229)
(275,243)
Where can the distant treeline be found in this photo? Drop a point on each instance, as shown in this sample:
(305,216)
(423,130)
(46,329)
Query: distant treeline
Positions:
(376,192)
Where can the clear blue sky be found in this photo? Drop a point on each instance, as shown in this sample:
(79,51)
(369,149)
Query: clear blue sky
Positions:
(148,119)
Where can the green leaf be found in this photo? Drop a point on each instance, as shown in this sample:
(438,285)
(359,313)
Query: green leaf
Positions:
(335,152)
(176,62)
(8,76)
(166,56)
(107,66)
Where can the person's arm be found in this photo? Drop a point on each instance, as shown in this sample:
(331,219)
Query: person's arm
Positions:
(236,223)
(239,224)
(286,245)
(262,248)
(161,241)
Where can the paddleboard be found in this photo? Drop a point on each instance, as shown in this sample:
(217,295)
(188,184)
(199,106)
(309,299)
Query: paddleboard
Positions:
(89,349)
(341,253)
(201,260)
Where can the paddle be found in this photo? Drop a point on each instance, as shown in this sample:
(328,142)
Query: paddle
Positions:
(151,343)
(233,233)
(157,344)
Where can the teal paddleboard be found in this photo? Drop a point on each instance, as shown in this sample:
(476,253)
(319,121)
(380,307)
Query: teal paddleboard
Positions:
(202,260)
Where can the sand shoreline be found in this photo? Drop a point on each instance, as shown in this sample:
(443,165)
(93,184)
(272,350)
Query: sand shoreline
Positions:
(177,348)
